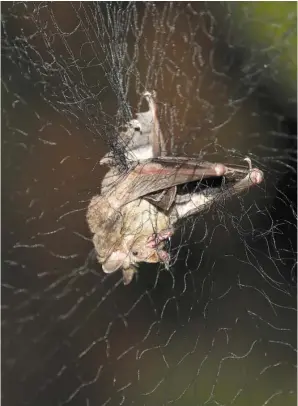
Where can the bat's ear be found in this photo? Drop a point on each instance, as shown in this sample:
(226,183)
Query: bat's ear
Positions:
(114,262)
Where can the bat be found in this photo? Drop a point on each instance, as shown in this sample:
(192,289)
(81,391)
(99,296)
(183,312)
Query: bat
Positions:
(138,209)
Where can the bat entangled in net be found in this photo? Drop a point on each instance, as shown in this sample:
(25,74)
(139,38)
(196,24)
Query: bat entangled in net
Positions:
(138,209)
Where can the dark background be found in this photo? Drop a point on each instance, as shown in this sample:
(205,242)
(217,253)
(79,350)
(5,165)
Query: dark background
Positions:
(221,325)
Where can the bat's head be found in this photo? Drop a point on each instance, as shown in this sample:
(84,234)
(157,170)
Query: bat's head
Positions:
(139,251)
(131,253)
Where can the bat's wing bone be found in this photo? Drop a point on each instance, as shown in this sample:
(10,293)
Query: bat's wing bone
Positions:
(158,174)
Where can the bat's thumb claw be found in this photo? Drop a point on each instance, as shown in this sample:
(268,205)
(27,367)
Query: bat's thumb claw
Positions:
(149,95)
(248,160)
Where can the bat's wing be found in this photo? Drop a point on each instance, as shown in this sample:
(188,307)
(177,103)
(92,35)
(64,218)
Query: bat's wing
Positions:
(141,137)
(163,199)
(157,174)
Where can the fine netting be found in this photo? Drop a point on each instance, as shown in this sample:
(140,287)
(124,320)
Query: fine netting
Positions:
(218,327)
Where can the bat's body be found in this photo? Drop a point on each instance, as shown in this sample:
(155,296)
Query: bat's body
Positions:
(137,211)
(121,241)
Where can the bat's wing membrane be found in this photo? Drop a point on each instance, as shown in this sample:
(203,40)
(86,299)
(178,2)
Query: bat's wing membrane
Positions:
(163,199)
(164,173)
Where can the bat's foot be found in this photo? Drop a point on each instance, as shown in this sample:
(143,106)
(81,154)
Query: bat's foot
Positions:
(155,239)
(256,176)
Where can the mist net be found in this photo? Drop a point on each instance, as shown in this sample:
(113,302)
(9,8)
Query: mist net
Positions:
(218,327)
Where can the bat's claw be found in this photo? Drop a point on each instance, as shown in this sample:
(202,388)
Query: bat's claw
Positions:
(155,239)
(248,160)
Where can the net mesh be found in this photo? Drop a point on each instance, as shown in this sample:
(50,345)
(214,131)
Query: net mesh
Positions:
(217,328)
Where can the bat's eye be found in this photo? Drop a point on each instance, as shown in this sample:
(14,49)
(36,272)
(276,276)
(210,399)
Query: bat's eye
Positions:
(135,253)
